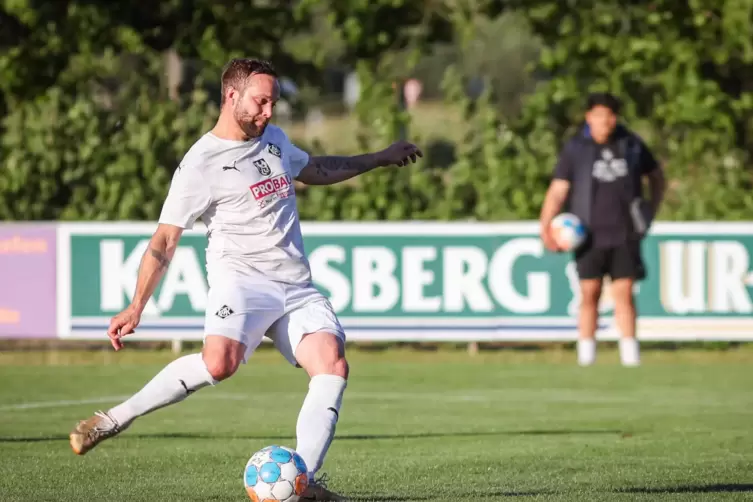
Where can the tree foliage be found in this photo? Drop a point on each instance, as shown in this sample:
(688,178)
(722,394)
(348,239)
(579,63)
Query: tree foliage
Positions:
(67,158)
(90,131)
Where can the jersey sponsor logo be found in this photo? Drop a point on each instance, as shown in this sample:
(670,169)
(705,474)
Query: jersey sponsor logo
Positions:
(274,150)
(279,185)
(263,167)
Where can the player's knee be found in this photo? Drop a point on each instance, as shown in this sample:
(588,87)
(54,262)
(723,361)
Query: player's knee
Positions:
(220,368)
(624,303)
(222,356)
(590,297)
(335,364)
(323,354)
(622,292)
(339,367)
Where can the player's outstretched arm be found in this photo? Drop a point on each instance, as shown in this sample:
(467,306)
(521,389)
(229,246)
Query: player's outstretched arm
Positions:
(153,265)
(328,170)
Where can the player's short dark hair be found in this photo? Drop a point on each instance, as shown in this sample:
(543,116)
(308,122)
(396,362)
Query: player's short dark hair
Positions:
(604,99)
(237,70)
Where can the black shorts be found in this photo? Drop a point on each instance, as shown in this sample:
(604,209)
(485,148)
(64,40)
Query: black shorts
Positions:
(620,262)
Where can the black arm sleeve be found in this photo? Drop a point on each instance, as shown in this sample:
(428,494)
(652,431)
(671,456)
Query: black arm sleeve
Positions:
(647,161)
(564,168)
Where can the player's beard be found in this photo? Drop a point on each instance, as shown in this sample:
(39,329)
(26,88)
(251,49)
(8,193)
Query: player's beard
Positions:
(248,123)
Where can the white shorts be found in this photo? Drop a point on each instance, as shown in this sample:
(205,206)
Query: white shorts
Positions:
(246,308)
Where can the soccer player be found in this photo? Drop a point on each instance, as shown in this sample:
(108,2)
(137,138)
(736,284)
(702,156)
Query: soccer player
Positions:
(238,179)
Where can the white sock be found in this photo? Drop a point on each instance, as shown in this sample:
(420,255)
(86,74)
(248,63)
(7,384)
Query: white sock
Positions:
(630,352)
(318,419)
(586,351)
(171,385)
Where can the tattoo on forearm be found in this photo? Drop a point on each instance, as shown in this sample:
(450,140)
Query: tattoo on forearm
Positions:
(161,258)
(329,166)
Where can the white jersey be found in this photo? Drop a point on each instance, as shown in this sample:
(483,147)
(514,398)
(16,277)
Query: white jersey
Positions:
(243,192)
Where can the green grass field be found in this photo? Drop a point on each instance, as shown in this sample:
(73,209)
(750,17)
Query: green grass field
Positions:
(414,426)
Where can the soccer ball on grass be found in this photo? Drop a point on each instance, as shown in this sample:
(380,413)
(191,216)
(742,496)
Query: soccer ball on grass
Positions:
(275,473)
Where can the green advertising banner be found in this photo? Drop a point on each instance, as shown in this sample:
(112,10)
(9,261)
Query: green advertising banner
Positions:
(428,282)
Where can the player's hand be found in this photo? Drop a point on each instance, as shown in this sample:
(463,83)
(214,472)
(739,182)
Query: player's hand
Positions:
(123,324)
(399,153)
(548,239)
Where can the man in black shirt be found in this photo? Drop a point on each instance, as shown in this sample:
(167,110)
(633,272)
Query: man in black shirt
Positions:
(599,174)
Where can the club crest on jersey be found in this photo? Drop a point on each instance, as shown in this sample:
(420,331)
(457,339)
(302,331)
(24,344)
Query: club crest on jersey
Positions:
(263,167)
(224,312)
(274,150)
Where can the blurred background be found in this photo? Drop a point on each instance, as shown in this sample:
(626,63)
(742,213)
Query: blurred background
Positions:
(100,101)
